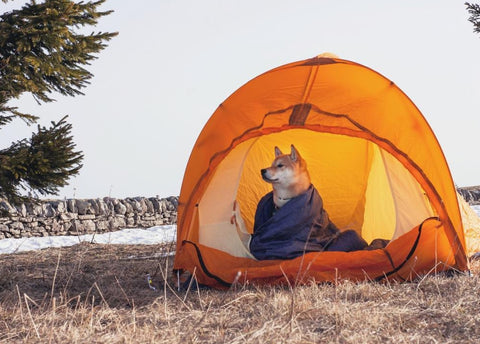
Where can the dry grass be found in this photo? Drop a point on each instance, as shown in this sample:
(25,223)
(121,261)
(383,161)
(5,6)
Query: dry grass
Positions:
(94,293)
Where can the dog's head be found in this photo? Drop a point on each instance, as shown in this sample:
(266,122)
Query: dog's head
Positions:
(287,172)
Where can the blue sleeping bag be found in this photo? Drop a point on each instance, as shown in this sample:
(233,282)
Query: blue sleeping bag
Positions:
(302,225)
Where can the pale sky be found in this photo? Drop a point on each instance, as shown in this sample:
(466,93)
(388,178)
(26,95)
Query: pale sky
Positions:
(174,62)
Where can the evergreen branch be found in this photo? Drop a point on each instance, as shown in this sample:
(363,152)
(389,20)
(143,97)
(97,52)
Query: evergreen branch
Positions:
(41,53)
(474,11)
(41,164)
(27,118)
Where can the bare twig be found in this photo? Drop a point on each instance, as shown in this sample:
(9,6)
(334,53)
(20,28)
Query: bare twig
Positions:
(55,275)
(30,314)
(19,302)
(101,294)
(292,301)
(123,291)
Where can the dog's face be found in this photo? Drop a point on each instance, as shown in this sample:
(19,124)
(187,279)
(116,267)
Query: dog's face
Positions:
(288,174)
(282,170)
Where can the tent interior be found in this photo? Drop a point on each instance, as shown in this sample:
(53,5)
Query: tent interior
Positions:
(363,187)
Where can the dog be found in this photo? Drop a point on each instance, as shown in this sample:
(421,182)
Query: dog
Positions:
(288,175)
(291,220)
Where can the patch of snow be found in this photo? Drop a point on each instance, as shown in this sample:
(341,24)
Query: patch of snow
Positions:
(129,236)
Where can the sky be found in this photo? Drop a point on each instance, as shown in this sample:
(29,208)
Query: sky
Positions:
(173,62)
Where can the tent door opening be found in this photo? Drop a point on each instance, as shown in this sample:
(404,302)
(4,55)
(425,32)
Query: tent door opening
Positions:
(363,187)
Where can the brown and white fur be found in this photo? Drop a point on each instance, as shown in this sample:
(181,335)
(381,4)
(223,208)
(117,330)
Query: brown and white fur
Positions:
(288,175)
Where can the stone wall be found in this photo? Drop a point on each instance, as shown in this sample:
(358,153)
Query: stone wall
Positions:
(471,194)
(76,216)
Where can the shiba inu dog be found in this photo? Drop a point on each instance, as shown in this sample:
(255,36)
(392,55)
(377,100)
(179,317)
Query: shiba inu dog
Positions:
(291,220)
(288,175)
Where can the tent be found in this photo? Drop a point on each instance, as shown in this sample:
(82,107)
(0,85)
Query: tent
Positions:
(370,152)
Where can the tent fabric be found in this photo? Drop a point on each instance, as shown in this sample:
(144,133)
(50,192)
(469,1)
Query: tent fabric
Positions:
(399,261)
(370,152)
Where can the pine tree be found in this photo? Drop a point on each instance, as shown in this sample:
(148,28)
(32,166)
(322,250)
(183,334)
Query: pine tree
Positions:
(41,52)
(474,11)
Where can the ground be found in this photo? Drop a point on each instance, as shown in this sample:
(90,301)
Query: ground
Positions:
(85,270)
(92,293)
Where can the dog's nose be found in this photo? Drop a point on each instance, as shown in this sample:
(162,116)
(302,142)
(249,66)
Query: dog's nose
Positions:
(263,171)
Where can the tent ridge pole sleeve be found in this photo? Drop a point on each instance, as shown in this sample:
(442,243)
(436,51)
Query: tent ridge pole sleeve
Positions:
(319,60)
(312,76)
(299,114)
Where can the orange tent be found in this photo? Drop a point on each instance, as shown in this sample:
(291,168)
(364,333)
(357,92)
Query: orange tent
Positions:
(371,155)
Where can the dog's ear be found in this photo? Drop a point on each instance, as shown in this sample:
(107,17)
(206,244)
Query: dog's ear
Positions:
(278,152)
(294,154)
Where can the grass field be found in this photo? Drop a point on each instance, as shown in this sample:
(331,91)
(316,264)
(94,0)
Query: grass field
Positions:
(92,293)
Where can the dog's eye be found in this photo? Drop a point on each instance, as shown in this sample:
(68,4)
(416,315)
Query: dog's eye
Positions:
(280,165)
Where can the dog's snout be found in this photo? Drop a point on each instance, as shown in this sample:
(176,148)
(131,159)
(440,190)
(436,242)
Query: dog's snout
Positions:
(263,171)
